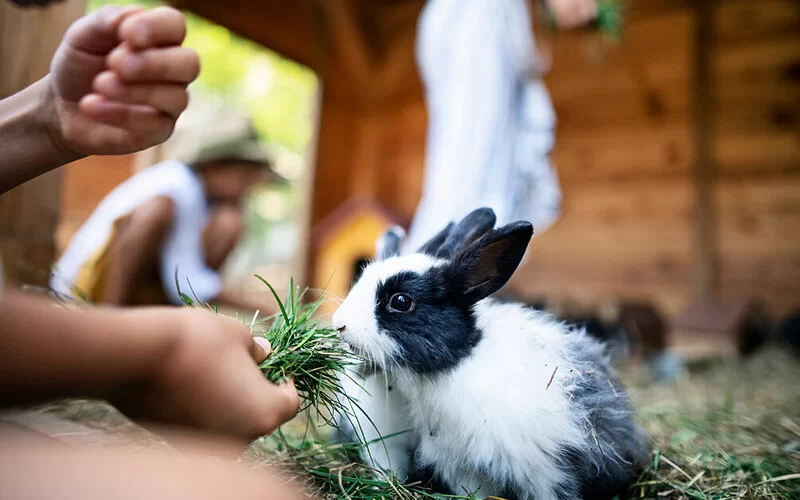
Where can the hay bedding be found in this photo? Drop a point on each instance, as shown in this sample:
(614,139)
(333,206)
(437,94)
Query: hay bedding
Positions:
(725,430)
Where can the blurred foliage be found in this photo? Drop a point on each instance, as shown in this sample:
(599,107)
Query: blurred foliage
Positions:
(276,93)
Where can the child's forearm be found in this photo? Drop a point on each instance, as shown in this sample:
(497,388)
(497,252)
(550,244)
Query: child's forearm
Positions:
(52,351)
(28,136)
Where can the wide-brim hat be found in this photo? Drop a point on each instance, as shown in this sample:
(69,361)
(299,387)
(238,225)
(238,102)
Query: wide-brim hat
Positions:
(240,148)
(212,131)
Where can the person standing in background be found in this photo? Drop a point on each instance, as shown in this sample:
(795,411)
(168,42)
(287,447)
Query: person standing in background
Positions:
(490,120)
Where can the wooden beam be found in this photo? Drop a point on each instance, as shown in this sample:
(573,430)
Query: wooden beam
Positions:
(350,44)
(288,28)
(704,265)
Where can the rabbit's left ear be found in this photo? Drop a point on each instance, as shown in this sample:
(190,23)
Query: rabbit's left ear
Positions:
(388,245)
(484,267)
(474,226)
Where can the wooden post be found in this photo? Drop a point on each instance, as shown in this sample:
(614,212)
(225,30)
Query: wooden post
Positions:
(29,213)
(704,266)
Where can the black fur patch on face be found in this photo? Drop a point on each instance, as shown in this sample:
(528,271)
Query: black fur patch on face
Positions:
(437,332)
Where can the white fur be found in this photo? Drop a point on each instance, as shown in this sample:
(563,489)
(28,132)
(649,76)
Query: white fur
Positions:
(382,245)
(381,411)
(495,409)
(505,409)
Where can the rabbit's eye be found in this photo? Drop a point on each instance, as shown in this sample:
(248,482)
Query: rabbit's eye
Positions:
(401,302)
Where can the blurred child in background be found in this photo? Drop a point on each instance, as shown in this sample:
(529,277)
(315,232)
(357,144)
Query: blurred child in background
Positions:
(171,225)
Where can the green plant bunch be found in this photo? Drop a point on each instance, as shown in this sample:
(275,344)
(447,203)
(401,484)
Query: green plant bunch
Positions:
(315,358)
(609,20)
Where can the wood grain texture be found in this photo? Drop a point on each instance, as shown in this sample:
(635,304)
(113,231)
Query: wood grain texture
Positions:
(626,140)
(29,214)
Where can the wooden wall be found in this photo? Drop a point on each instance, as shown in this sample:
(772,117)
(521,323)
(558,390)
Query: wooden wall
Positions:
(372,130)
(625,157)
(628,155)
(84,185)
(29,213)
(756,149)
(678,151)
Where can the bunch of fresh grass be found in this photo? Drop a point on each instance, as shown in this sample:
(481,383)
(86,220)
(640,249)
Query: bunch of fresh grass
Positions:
(329,471)
(315,358)
(310,354)
(609,18)
(304,350)
(313,355)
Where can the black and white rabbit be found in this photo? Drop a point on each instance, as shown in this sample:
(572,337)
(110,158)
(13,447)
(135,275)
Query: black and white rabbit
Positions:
(498,399)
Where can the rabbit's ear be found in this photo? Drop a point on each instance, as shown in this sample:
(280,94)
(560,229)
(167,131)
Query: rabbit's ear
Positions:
(471,228)
(388,245)
(482,268)
(434,244)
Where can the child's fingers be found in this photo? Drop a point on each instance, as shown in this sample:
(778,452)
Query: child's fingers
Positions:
(97,32)
(169,98)
(159,27)
(170,64)
(288,401)
(260,349)
(135,118)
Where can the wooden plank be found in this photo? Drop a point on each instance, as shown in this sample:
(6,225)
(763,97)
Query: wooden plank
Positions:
(754,88)
(85,184)
(758,87)
(662,279)
(757,150)
(334,168)
(88,181)
(705,246)
(637,10)
(401,169)
(773,278)
(768,112)
(642,216)
(623,152)
(750,59)
(29,213)
(641,76)
(743,21)
(759,240)
(758,214)
(654,106)
(289,28)
(643,40)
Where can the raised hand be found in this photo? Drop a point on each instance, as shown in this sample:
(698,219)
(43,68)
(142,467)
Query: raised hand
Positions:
(118,80)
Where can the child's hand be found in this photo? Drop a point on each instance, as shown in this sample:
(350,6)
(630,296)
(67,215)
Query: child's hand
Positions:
(210,379)
(570,14)
(118,80)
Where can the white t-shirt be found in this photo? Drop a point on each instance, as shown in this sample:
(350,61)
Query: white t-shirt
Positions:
(490,120)
(183,250)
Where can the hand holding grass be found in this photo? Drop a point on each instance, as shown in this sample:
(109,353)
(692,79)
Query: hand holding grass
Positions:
(210,379)
(187,367)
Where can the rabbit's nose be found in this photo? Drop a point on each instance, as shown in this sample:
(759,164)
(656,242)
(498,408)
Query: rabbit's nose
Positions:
(337,324)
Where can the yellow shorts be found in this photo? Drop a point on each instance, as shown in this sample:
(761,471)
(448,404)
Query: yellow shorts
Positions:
(91,280)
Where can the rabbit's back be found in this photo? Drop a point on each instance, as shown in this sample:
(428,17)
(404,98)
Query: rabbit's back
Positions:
(534,412)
